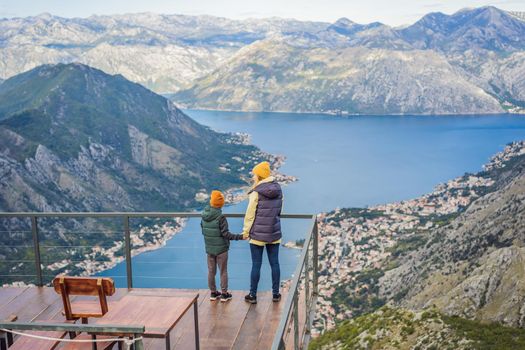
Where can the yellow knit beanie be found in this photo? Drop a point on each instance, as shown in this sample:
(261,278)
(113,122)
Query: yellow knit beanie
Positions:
(216,199)
(262,170)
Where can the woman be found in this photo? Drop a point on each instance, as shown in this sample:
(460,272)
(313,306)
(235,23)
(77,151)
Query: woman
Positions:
(262,225)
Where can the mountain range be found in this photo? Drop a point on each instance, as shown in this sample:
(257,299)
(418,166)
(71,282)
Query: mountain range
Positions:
(472,61)
(75,138)
(469,62)
(161,52)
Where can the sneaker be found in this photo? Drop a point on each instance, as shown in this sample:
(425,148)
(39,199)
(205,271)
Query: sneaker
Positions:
(276,297)
(252,299)
(226,296)
(215,295)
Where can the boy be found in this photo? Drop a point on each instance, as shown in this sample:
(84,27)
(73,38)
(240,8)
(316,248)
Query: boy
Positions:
(217,241)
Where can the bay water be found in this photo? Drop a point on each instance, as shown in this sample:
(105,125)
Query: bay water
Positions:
(351,161)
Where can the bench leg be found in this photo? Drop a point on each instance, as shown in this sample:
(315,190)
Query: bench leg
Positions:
(9,339)
(94,344)
(3,343)
(196,320)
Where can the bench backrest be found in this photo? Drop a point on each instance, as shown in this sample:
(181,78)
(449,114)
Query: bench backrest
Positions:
(84,285)
(89,286)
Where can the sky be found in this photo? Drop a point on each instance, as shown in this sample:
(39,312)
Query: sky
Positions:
(393,12)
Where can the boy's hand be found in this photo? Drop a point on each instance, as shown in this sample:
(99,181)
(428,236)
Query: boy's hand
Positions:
(245,236)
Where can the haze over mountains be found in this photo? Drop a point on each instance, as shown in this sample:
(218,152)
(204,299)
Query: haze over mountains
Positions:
(162,52)
(470,62)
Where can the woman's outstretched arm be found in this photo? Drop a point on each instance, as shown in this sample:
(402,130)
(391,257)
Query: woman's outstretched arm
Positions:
(249,218)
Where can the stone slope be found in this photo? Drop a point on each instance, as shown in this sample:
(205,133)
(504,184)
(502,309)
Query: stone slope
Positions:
(472,267)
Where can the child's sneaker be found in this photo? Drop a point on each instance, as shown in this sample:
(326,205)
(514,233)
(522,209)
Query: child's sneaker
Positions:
(276,297)
(215,295)
(225,296)
(252,299)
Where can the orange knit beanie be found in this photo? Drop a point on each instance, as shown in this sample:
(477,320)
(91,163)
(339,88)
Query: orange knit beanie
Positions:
(216,199)
(262,170)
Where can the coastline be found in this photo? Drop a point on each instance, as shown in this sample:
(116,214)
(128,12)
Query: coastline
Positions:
(145,240)
(513,112)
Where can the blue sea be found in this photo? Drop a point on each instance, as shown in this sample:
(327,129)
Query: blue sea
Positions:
(353,161)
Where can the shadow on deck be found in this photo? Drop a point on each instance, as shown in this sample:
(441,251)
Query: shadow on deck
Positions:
(223,325)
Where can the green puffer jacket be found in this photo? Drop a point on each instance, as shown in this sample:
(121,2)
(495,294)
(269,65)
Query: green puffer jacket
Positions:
(216,232)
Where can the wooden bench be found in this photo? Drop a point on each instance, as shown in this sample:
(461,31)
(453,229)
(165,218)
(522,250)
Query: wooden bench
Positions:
(80,309)
(84,286)
(159,314)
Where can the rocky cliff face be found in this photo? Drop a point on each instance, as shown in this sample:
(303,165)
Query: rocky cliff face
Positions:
(349,80)
(472,267)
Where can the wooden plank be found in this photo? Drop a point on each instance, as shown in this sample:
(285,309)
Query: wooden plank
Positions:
(270,326)
(7,294)
(161,291)
(228,323)
(53,312)
(252,327)
(207,313)
(28,305)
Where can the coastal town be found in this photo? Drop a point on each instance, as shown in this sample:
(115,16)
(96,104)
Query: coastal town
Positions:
(355,240)
(98,259)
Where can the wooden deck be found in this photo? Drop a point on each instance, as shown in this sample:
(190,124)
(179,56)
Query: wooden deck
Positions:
(230,325)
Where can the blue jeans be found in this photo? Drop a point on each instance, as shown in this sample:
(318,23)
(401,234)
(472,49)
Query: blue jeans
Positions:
(273,257)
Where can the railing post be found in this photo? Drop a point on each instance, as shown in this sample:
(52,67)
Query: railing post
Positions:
(196,323)
(127,247)
(307,287)
(316,258)
(138,345)
(36,247)
(296,320)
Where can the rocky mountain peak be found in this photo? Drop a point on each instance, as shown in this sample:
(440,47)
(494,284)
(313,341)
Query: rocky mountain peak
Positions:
(73,131)
(343,22)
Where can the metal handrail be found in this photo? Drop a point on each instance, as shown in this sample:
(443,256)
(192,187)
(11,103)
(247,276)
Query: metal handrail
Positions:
(290,309)
(133,215)
(291,305)
(135,332)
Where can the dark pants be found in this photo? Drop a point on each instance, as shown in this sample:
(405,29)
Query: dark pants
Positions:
(220,260)
(273,257)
